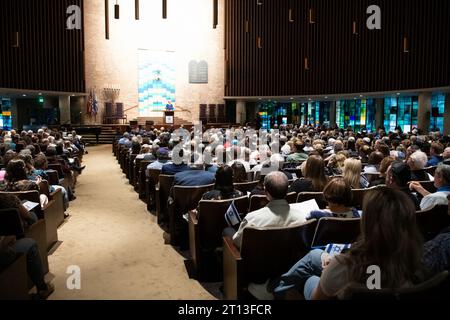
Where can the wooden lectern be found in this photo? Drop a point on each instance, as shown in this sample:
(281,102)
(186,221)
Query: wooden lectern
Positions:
(169,117)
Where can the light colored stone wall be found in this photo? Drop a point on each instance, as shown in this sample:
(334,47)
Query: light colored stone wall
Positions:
(188,31)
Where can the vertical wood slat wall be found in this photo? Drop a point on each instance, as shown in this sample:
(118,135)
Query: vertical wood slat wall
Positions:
(340,62)
(49,57)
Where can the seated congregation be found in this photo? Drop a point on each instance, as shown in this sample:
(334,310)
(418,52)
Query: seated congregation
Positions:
(37,181)
(383,197)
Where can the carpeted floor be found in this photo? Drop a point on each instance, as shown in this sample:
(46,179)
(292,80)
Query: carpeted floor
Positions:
(116,242)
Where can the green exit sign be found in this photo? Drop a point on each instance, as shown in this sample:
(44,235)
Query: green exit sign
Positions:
(41,99)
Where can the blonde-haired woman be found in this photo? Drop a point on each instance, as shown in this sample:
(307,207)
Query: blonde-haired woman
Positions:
(352,174)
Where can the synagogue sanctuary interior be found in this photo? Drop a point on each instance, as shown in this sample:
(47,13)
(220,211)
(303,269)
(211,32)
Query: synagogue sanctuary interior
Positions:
(215,150)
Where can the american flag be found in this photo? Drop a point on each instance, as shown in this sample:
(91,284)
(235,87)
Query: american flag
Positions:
(90,104)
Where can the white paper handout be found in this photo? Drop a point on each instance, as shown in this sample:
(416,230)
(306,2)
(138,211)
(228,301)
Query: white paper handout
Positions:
(29,205)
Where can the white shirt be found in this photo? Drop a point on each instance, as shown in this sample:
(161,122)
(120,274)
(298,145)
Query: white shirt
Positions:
(434,199)
(278,213)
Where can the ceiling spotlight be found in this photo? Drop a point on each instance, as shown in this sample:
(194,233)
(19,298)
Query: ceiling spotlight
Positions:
(398,93)
(40,93)
(24,95)
(326,97)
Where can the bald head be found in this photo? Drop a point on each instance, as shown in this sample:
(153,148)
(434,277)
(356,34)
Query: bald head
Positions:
(276,184)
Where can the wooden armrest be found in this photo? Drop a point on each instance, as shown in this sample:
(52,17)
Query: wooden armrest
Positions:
(232,268)
(192,215)
(229,245)
(54,194)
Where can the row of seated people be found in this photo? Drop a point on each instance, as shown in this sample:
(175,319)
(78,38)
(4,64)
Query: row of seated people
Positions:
(36,185)
(223,189)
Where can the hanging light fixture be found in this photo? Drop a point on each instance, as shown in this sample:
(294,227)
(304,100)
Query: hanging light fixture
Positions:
(136,9)
(215,13)
(117,10)
(247,28)
(291,16)
(164,9)
(16,43)
(259,42)
(306,63)
(259,2)
(312,16)
(406,45)
(355,28)
(107,19)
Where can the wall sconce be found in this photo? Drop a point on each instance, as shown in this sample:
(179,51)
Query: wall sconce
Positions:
(312,16)
(164,9)
(406,46)
(355,28)
(16,43)
(215,13)
(117,10)
(259,42)
(306,63)
(136,9)
(291,19)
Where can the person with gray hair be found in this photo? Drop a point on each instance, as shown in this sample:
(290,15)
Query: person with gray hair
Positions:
(417,162)
(277,213)
(441,182)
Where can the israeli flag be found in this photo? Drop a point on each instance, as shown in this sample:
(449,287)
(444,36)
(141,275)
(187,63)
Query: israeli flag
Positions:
(232,216)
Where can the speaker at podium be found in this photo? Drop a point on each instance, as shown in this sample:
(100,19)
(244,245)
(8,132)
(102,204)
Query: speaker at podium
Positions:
(169,117)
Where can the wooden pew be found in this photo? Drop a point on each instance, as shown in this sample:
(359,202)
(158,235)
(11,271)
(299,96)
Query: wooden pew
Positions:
(205,234)
(183,199)
(265,253)
(14,280)
(336,230)
(162,192)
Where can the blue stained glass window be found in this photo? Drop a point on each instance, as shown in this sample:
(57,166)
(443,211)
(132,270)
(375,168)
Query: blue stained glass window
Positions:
(437,112)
